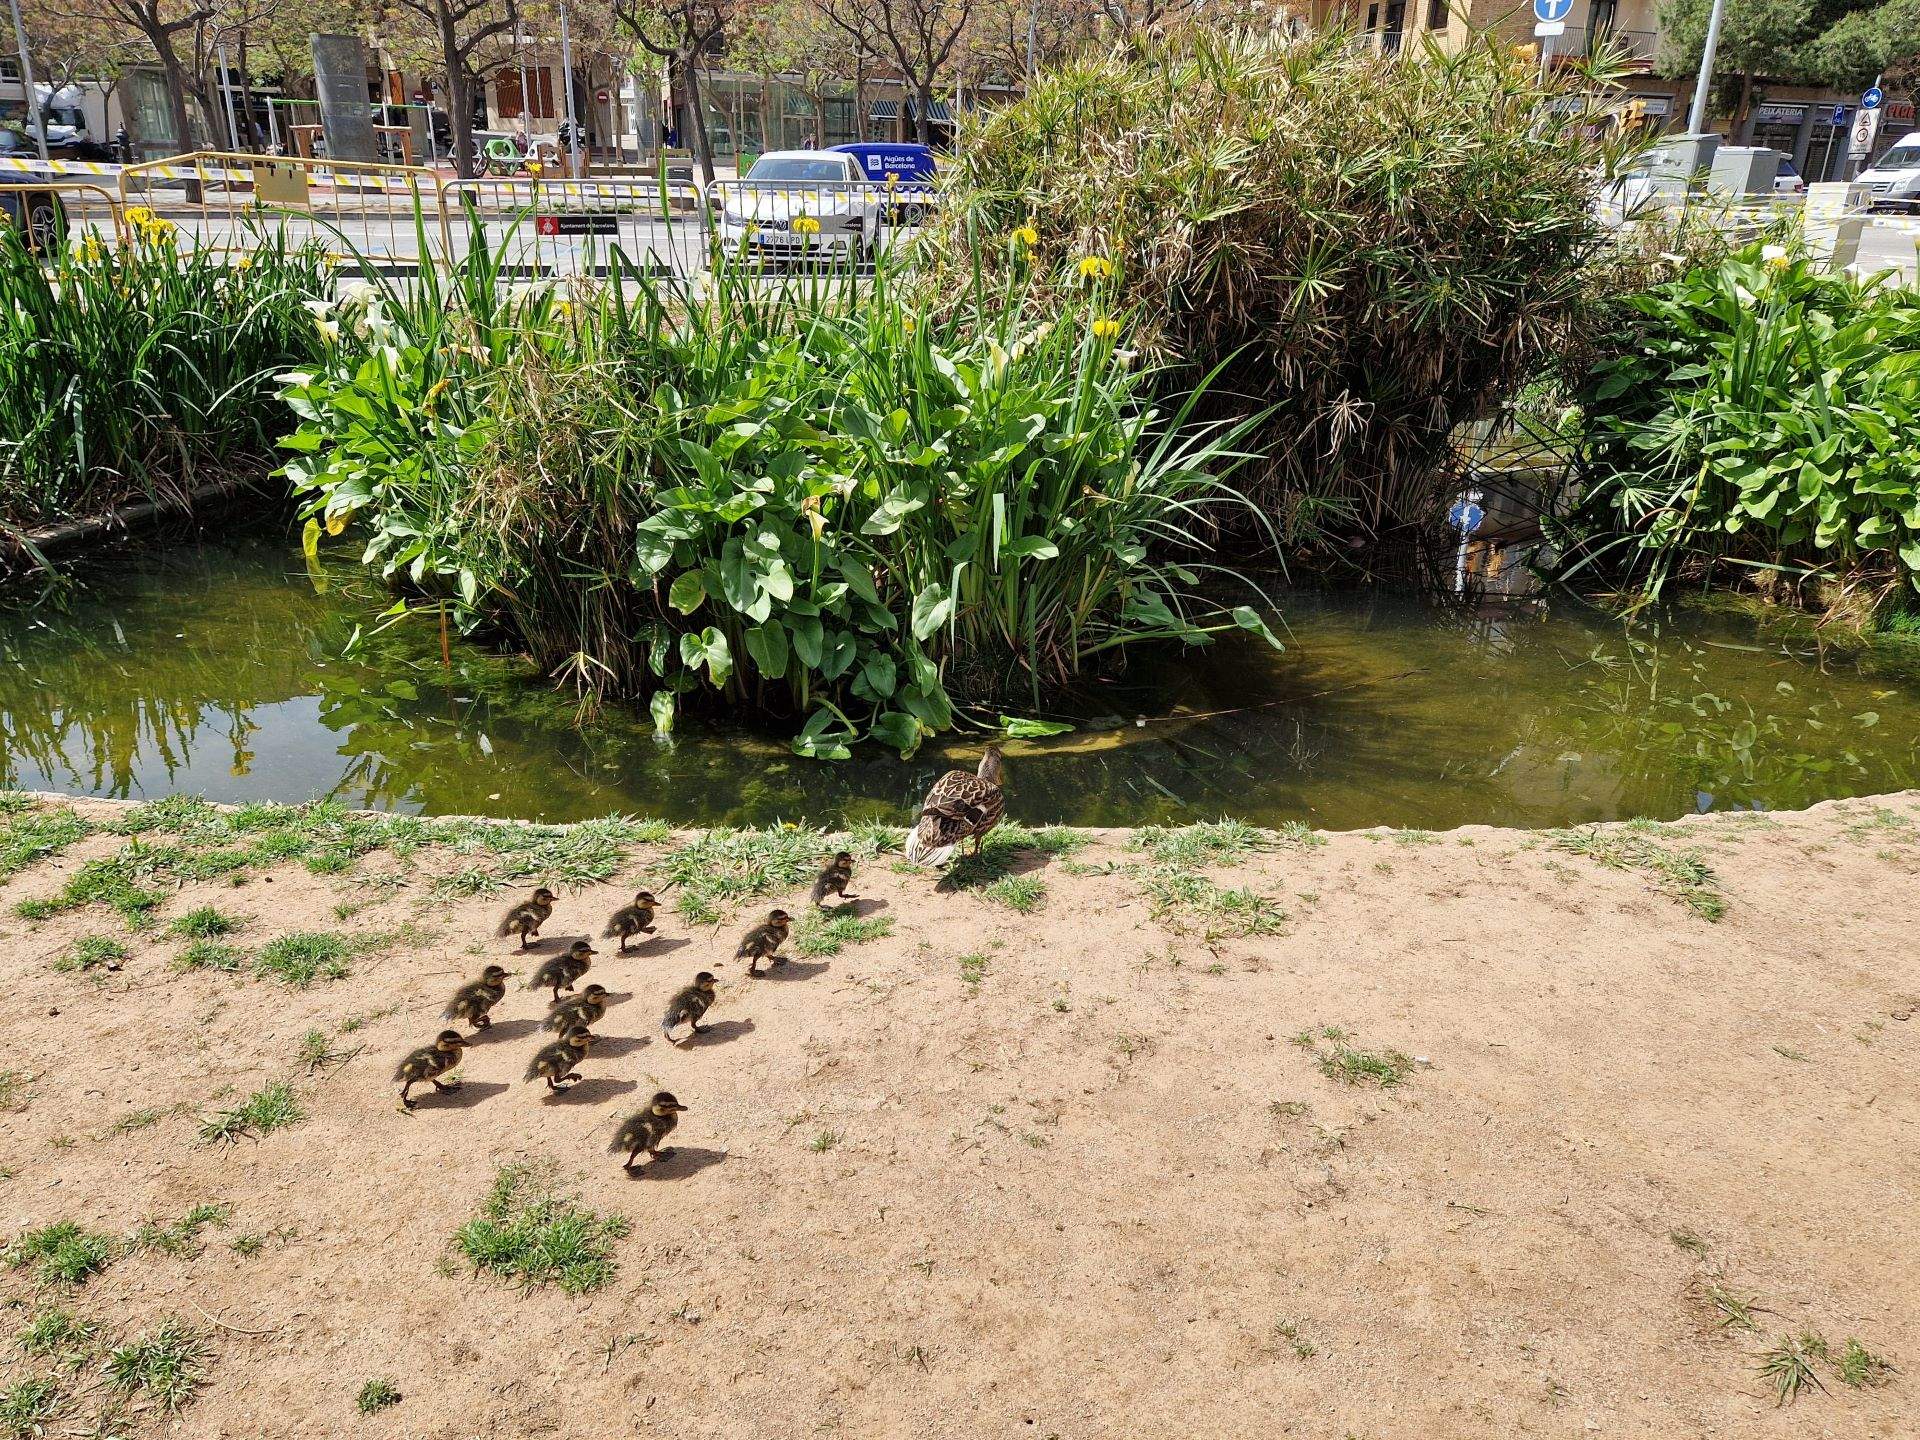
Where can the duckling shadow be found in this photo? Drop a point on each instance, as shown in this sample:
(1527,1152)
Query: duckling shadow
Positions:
(794,970)
(858,908)
(614,1046)
(507,1030)
(678,1163)
(658,945)
(718,1033)
(597,1087)
(470,1094)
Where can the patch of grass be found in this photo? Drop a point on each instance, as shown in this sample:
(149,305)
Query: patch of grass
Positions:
(1788,1366)
(973,970)
(208,955)
(134,1120)
(182,1236)
(376,1395)
(1785,1053)
(1211,842)
(304,956)
(248,1244)
(824,1141)
(63,1253)
(56,1334)
(829,935)
(1860,1368)
(1003,845)
(30,833)
(271,1108)
(90,952)
(26,1406)
(168,1365)
(1351,1065)
(1415,837)
(204,923)
(1682,874)
(14,1090)
(1731,1311)
(527,1232)
(1289,1332)
(1024,893)
(722,867)
(1688,1241)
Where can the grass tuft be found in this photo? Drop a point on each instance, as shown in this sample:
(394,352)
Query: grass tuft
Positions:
(830,934)
(271,1108)
(305,956)
(91,952)
(1682,874)
(1211,842)
(204,923)
(1024,893)
(180,1237)
(26,1406)
(527,1232)
(63,1253)
(376,1395)
(56,1334)
(1350,1064)
(1860,1368)
(167,1365)
(1788,1366)
(208,955)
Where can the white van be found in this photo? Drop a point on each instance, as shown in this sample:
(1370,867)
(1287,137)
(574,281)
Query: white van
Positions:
(1893,183)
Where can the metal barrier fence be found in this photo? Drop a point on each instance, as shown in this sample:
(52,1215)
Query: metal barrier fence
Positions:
(64,212)
(570,229)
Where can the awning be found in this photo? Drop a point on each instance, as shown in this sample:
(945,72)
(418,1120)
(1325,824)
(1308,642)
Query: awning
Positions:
(884,110)
(938,113)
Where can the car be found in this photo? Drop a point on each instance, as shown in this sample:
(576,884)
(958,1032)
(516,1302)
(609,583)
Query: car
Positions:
(785,188)
(1787,179)
(30,208)
(1892,182)
(17,144)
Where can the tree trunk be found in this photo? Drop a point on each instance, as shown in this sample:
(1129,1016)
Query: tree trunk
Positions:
(922,111)
(247,141)
(697,118)
(859,100)
(459,99)
(1741,111)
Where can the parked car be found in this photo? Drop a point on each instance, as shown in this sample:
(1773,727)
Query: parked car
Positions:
(1787,180)
(17,144)
(785,186)
(1893,181)
(28,206)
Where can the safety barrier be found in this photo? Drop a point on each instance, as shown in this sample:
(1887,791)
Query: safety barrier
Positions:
(64,212)
(573,228)
(797,220)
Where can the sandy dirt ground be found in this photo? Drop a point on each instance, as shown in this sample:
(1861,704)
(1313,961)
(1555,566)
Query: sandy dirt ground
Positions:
(1092,1185)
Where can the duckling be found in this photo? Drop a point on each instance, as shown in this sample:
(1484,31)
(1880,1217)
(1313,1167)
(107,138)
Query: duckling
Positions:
(645,1129)
(689,1005)
(833,880)
(526,918)
(586,1008)
(763,941)
(562,971)
(556,1061)
(631,920)
(472,1001)
(430,1062)
(959,807)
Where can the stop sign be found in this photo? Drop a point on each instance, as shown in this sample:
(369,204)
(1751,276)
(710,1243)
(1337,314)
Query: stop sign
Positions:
(602,96)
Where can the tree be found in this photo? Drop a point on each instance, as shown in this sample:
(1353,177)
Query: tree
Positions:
(919,36)
(161,24)
(462,38)
(682,32)
(1759,39)
(1865,42)
(69,47)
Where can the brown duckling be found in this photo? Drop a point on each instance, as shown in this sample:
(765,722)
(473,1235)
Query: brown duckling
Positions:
(562,971)
(586,1008)
(631,920)
(430,1062)
(645,1129)
(556,1061)
(834,879)
(526,918)
(472,1001)
(763,941)
(689,1005)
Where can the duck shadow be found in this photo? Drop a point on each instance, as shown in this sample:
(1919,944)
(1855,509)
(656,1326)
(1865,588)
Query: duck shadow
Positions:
(718,1033)
(859,907)
(614,1046)
(974,872)
(678,1163)
(507,1030)
(656,945)
(793,970)
(470,1094)
(596,1087)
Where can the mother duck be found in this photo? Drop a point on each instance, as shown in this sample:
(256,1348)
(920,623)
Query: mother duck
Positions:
(958,807)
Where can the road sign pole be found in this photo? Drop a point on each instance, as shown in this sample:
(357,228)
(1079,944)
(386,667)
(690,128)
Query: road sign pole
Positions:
(1697,115)
(1546,56)
(34,111)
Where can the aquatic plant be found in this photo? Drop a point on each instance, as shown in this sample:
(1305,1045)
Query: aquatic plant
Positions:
(1381,246)
(139,372)
(811,498)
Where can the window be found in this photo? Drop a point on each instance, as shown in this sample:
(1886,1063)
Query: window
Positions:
(1438,13)
(9,69)
(507,93)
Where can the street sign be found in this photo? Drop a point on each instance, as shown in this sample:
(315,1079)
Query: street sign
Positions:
(1839,116)
(1866,125)
(1552,11)
(1465,516)
(577,224)
(1545,28)
(1869,100)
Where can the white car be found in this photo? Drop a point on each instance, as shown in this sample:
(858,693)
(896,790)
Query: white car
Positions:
(795,202)
(1787,179)
(1893,183)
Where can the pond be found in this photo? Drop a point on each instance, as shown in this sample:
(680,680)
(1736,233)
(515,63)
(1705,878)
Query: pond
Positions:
(215,666)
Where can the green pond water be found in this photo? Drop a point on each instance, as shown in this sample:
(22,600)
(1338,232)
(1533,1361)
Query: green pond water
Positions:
(214,666)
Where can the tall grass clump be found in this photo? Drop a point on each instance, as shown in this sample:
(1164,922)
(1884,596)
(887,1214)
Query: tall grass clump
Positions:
(1754,418)
(141,371)
(1378,246)
(814,499)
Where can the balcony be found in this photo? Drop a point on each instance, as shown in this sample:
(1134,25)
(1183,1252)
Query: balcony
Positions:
(1639,45)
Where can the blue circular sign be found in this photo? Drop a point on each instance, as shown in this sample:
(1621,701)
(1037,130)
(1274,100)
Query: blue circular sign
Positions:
(1551,10)
(1870,100)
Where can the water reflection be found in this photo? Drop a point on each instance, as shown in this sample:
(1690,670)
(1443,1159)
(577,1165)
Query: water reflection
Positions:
(216,668)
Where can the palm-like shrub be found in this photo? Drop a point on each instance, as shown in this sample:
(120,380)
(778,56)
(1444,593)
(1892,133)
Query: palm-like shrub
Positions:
(1378,246)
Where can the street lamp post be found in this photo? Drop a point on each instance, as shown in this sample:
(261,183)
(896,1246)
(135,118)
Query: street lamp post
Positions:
(1697,115)
(566,79)
(26,80)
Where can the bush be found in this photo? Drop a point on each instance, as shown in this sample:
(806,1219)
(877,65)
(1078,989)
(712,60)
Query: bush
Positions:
(138,372)
(1383,246)
(812,499)
(1755,413)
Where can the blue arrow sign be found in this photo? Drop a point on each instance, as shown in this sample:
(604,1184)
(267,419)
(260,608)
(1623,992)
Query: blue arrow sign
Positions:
(1465,516)
(1869,100)
(1552,10)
